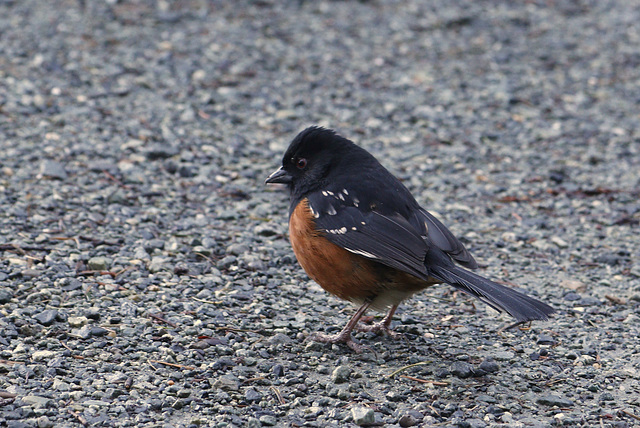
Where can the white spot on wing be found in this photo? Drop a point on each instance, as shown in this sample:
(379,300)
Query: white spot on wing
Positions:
(331,210)
(314,212)
(345,191)
(340,231)
(324,193)
(362,253)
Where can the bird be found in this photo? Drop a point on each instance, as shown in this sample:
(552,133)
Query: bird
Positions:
(361,235)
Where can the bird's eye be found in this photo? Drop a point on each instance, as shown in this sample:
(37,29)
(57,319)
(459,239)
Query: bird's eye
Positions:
(301,163)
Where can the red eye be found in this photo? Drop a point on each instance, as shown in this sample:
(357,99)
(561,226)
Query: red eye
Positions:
(301,163)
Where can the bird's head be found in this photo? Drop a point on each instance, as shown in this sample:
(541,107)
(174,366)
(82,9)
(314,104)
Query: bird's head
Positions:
(310,158)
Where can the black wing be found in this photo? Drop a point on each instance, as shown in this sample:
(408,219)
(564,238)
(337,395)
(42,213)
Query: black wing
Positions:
(388,239)
(442,238)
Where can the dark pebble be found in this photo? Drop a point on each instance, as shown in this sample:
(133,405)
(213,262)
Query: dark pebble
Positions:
(99,331)
(251,395)
(572,296)
(554,400)
(161,151)
(5,295)
(589,301)
(278,370)
(489,366)
(461,369)
(607,396)
(543,339)
(47,317)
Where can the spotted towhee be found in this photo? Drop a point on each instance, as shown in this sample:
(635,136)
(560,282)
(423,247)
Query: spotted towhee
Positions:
(359,233)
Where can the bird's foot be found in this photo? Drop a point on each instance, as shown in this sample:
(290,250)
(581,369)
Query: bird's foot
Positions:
(379,327)
(342,337)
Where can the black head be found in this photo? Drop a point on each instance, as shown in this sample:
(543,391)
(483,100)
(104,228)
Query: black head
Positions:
(310,158)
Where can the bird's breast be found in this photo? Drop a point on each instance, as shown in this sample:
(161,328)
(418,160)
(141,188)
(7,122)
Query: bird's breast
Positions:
(342,273)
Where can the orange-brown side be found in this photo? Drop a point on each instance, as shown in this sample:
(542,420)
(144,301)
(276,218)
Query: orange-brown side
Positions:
(344,274)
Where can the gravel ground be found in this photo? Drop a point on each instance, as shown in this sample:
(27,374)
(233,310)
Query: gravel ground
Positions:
(145,274)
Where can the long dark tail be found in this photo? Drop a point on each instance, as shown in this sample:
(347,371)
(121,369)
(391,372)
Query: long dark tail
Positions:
(521,307)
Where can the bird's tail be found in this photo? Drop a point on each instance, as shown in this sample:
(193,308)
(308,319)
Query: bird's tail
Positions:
(518,305)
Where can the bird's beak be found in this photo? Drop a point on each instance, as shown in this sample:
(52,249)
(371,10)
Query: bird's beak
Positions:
(279,176)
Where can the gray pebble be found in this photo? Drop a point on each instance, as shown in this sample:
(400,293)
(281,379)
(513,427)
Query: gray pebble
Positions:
(489,366)
(5,295)
(251,395)
(98,263)
(37,401)
(341,374)
(53,169)
(268,420)
(362,415)
(544,339)
(554,400)
(47,317)
(158,264)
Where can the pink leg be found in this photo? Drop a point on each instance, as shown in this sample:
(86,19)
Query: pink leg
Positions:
(345,335)
(382,326)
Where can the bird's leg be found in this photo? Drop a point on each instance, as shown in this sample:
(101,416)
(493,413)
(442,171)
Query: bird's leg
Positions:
(345,335)
(381,326)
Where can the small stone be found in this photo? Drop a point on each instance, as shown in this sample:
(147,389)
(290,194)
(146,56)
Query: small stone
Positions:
(237,249)
(268,420)
(161,151)
(489,366)
(474,423)
(461,369)
(253,423)
(226,262)
(183,393)
(77,322)
(503,355)
(158,264)
(251,395)
(47,317)
(572,296)
(554,400)
(278,370)
(227,383)
(486,398)
(5,295)
(407,421)
(36,401)
(99,331)
(280,338)
(82,333)
(31,273)
(363,415)
(44,422)
(561,243)
(52,169)
(544,339)
(98,263)
(42,355)
(341,374)
(572,284)
(394,396)
(265,230)
(607,396)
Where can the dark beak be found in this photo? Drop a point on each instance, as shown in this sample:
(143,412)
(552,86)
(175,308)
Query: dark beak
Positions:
(279,176)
